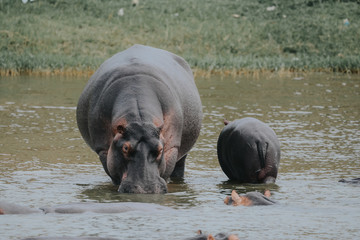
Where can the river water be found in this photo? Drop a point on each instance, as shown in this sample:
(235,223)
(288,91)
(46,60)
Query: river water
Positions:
(45,162)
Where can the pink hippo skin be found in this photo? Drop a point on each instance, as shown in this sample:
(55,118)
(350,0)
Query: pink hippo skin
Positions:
(249,199)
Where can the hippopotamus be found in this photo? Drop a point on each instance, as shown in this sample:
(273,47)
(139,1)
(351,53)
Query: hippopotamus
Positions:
(249,199)
(141,113)
(120,207)
(219,236)
(352,181)
(11,208)
(249,151)
(105,207)
(200,236)
(69,238)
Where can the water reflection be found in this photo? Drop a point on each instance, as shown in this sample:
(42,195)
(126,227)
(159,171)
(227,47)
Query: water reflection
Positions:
(180,195)
(226,187)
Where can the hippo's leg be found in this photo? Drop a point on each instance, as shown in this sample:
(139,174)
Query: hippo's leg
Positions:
(171,157)
(267,158)
(179,169)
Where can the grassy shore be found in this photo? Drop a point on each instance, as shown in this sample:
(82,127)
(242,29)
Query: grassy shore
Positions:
(227,36)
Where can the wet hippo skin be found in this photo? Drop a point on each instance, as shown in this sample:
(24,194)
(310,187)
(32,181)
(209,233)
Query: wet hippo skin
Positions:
(141,113)
(249,199)
(200,236)
(105,207)
(249,151)
(352,181)
(69,238)
(10,208)
(219,236)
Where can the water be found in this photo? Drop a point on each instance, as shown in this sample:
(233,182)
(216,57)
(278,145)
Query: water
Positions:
(45,162)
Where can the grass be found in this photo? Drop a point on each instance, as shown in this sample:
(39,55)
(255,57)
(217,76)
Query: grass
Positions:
(75,37)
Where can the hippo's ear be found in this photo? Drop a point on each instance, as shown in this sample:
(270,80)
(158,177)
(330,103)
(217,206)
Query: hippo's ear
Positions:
(267,193)
(120,129)
(233,237)
(226,122)
(210,237)
(236,198)
(227,200)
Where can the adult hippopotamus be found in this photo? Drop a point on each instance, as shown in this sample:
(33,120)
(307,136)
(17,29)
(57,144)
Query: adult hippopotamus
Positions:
(249,151)
(141,113)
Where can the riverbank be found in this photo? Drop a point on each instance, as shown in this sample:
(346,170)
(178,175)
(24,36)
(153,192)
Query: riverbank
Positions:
(63,37)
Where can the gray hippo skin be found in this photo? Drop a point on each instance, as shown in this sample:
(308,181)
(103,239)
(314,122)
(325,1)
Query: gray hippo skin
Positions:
(120,207)
(219,236)
(69,238)
(200,236)
(249,151)
(352,181)
(72,208)
(11,208)
(141,113)
(249,199)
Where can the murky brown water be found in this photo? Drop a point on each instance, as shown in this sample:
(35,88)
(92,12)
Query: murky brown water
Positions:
(45,162)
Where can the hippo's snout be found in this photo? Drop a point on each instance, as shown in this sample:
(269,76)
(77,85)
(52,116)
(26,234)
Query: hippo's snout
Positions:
(130,187)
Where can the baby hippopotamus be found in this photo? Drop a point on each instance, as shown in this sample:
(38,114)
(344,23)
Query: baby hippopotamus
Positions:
(249,151)
(219,236)
(249,199)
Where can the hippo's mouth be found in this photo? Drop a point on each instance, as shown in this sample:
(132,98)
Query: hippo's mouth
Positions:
(157,186)
(142,189)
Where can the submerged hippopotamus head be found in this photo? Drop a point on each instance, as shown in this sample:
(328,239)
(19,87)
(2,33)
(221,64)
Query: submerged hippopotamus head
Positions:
(219,236)
(135,159)
(249,199)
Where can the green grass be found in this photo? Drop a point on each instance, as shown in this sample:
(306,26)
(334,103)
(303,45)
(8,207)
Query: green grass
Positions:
(68,35)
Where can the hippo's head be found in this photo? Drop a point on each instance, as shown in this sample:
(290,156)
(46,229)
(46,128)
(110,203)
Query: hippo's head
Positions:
(135,159)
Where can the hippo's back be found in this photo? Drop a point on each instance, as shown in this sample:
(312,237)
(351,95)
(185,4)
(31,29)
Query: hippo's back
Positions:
(138,59)
(248,151)
(246,130)
(170,76)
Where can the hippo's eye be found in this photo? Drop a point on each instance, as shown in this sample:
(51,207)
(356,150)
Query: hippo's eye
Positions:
(126,148)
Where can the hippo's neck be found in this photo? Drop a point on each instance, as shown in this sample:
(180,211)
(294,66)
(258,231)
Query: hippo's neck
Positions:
(141,105)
